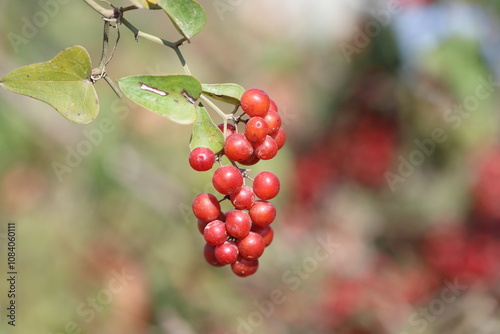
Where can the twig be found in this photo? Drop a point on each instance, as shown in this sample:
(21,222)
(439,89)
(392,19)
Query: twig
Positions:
(106,13)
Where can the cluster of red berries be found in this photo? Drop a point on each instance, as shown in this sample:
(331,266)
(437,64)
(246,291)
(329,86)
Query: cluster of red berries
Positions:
(238,237)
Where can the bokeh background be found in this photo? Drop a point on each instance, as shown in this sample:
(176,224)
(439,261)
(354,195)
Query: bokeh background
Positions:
(388,218)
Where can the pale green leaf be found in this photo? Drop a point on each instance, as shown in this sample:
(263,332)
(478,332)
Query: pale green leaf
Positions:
(226,92)
(188,16)
(63,82)
(172,96)
(206,133)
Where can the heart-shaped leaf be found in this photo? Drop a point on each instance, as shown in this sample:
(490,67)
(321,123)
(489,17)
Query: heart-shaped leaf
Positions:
(172,96)
(188,16)
(226,92)
(205,132)
(149,4)
(63,82)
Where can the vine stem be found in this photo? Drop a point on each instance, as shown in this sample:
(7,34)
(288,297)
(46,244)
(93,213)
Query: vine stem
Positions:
(106,13)
(214,107)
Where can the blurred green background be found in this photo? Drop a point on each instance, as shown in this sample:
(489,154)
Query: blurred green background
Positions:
(390,176)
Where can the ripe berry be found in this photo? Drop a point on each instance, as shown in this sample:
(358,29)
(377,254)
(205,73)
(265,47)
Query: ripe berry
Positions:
(227,180)
(209,254)
(256,129)
(273,120)
(226,253)
(266,185)
(229,130)
(215,233)
(279,137)
(201,226)
(238,223)
(237,147)
(266,149)
(252,246)
(272,106)
(243,267)
(201,159)
(262,213)
(255,102)
(250,161)
(244,198)
(206,207)
(266,232)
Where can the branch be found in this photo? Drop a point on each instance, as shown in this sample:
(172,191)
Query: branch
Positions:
(106,13)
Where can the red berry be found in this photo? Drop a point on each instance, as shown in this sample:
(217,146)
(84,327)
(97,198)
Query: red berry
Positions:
(237,147)
(279,137)
(209,254)
(266,149)
(201,159)
(272,106)
(273,120)
(238,223)
(226,253)
(201,226)
(255,102)
(229,130)
(243,267)
(215,233)
(252,246)
(266,185)
(206,207)
(250,161)
(227,180)
(256,129)
(243,199)
(262,213)
(266,232)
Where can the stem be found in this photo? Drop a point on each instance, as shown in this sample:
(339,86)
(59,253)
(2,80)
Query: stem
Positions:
(111,83)
(105,41)
(182,60)
(149,37)
(126,9)
(214,107)
(106,13)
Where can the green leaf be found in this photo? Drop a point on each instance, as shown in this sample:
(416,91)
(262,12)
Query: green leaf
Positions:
(206,133)
(172,96)
(227,92)
(63,82)
(188,16)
